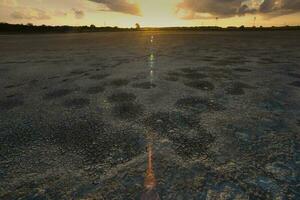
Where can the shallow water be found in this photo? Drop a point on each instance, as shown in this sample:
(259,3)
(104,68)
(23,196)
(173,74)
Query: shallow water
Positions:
(169,115)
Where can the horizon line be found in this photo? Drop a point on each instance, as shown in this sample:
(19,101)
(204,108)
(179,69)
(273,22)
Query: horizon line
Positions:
(146,27)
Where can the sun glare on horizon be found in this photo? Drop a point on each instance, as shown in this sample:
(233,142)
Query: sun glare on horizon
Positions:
(159,13)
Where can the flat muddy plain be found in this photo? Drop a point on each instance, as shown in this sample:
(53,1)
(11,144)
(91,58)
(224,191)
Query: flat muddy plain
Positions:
(221,111)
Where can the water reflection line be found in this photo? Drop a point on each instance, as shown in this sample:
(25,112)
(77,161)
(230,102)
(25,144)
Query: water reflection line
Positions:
(150,180)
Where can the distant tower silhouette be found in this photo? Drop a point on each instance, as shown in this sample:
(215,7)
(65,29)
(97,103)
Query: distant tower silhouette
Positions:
(216,21)
(137,26)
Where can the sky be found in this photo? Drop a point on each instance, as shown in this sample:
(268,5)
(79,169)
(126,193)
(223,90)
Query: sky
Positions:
(152,13)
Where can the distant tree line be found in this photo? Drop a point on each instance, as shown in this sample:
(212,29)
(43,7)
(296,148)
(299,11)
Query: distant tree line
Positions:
(30,28)
(230,28)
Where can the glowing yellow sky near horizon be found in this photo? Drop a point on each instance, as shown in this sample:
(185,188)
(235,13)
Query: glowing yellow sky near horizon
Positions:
(155,13)
(159,13)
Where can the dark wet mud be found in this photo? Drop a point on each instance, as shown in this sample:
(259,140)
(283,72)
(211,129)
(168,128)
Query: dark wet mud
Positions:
(119,82)
(202,85)
(76,102)
(99,76)
(174,115)
(10,103)
(238,88)
(145,85)
(95,90)
(57,93)
(121,97)
(198,104)
(127,110)
(295,83)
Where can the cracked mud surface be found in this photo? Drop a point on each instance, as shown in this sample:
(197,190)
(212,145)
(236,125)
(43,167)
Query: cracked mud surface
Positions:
(76,115)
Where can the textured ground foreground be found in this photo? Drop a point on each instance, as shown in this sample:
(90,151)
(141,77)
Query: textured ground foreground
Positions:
(222,109)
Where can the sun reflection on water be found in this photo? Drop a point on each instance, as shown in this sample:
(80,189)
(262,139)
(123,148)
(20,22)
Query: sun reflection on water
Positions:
(151,60)
(150,180)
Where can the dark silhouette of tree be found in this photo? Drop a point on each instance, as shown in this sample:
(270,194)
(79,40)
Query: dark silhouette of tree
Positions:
(137,26)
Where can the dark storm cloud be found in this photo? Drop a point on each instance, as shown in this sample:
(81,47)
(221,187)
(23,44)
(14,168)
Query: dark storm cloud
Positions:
(220,8)
(123,6)
(280,7)
(230,8)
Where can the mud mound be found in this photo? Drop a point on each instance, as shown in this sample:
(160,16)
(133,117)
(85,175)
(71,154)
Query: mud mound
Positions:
(295,83)
(237,88)
(186,134)
(121,97)
(119,82)
(202,85)
(242,70)
(76,103)
(98,76)
(11,103)
(198,104)
(58,93)
(127,110)
(294,75)
(98,142)
(95,90)
(144,85)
